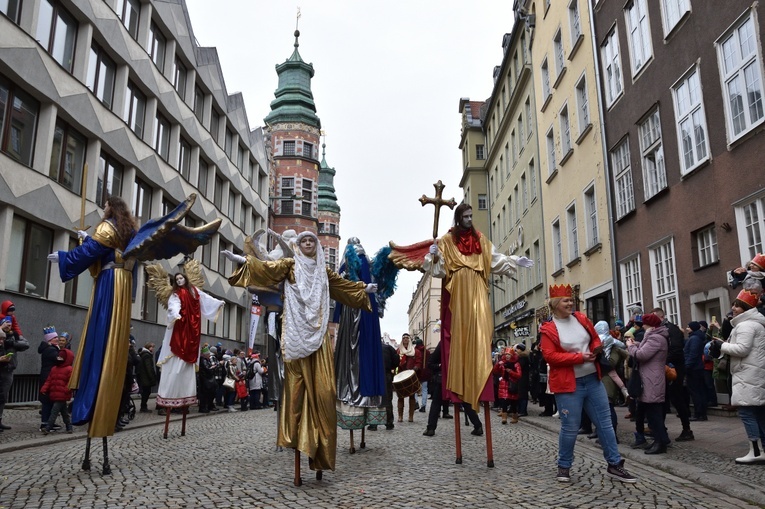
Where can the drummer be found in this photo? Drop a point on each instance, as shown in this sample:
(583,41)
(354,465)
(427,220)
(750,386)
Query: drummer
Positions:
(409,358)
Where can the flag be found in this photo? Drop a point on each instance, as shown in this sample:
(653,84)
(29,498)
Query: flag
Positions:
(255,312)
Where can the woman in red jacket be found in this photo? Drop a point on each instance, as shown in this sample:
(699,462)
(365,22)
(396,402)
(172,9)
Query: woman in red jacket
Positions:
(570,346)
(509,371)
(56,387)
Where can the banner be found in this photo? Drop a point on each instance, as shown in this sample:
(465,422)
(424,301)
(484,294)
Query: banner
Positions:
(255,312)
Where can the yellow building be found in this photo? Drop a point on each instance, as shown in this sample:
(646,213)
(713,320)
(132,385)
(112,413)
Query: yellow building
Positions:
(425,311)
(473,146)
(575,187)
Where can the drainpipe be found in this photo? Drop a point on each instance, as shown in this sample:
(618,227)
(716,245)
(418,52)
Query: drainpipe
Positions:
(609,197)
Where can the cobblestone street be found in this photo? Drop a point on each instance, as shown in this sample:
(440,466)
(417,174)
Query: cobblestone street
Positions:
(230,460)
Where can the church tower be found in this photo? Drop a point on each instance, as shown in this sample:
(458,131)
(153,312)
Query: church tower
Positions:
(294,128)
(329,213)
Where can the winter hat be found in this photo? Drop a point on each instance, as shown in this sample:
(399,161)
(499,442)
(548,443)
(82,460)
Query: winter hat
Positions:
(651,320)
(521,347)
(6,319)
(694,326)
(619,323)
(205,349)
(213,350)
(226,357)
(50,333)
(704,324)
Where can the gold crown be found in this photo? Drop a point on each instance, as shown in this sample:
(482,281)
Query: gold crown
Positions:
(561,291)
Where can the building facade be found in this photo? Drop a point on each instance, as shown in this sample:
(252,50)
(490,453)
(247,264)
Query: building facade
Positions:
(575,187)
(515,198)
(474,181)
(122,88)
(682,90)
(425,312)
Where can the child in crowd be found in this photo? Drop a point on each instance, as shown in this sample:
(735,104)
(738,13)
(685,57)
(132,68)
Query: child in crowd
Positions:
(56,387)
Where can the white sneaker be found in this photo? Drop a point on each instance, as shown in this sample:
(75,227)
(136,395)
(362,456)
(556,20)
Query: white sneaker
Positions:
(232,409)
(556,414)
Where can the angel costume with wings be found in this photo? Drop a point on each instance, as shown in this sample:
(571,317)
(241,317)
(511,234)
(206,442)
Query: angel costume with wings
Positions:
(186,305)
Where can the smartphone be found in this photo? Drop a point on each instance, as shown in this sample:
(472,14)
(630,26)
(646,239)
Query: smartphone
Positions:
(714,319)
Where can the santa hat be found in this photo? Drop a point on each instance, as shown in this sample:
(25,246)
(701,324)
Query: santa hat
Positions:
(748,298)
(50,333)
(561,291)
(759,260)
(651,320)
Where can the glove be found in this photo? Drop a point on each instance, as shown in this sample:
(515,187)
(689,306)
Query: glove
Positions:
(53,257)
(525,262)
(82,234)
(371,288)
(434,249)
(715,348)
(233,257)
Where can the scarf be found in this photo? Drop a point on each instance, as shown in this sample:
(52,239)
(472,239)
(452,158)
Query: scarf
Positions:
(467,241)
(306,304)
(409,352)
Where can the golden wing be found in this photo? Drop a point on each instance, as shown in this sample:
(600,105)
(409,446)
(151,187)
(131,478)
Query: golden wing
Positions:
(159,282)
(194,274)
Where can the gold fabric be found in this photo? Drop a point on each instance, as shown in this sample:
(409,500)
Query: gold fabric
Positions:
(307,417)
(115,357)
(471,321)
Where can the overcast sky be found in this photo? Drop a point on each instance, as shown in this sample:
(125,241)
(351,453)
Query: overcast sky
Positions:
(387,84)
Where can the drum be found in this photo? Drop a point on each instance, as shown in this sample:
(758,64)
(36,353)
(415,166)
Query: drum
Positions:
(376,416)
(350,417)
(406,383)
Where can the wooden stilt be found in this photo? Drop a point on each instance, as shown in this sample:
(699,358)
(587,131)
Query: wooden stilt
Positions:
(107,469)
(297,481)
(183,425)
(489,448)
(457,434)
(319,475)
(86,460)
(353,449)
(167,421)
(363,444)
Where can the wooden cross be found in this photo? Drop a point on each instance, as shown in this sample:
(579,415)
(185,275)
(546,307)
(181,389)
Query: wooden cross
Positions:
(438,202)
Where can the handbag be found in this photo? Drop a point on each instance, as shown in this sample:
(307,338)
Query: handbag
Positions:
(134,389)
(229,383)
(670,372)
(635,383)
(241,389)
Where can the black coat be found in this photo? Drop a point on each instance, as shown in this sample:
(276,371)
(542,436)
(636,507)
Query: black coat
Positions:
(48,359)
(145,373)
(523,382)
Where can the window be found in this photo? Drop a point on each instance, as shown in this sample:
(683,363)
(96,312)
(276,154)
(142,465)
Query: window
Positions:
(691,122)
(632,290)
(654,173)
(532,180)
(207,255)
(557,248)
(179,78)
(203,176)
(150,302)
(77,290)
(529,125)
(215,125)
(184,158)
(672,12)
(101,73)
(308,150)
(741,70)
(168,206)
(135,109)
(482,202)
(524,193)
(537,263)
(664,280)
(521,137)
(231,205)
(332,258)
(67,157)
(28,266)
(565,131)
(620,163)
(560,57)
(573,236)
(288,191)
(546,90)
(582,104)
(18,123)
(109,179)
(218,192)
(506,213)
(575,26)
(242,214)
(57,32)
(222,259)
(288,148)
(479,152)
(550,151)
(162,136)
(240,153)
(142,195)
(612,65)
(157,45)
(639,29)
(706,242)
(591,211)
(129,11)
(12,9)
(750,219)
(517,204)
(199,104)
(307,204)
(228,144)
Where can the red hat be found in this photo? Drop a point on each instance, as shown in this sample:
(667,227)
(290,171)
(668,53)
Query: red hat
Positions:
(651,320)
(759,260)
(748,298)
(561,291)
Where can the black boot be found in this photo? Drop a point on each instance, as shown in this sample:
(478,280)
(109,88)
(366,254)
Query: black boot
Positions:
(685,436)
(656,448)
(3,426)
(429,432)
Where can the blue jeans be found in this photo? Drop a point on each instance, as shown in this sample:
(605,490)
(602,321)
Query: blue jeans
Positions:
(424,397)
(753,418)
(591,396)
